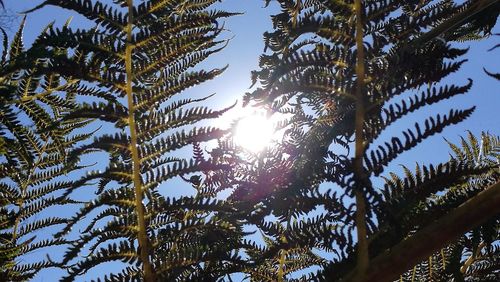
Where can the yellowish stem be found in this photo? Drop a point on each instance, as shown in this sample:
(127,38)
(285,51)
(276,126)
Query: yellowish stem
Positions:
(143,240)
(472,258)
(443,257)
(430,268)
(24,188)
(281,269)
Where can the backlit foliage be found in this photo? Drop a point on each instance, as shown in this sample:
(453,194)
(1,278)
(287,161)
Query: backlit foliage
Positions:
(474,256)
(339,96)
(138,59)
(318,205)
(35,141)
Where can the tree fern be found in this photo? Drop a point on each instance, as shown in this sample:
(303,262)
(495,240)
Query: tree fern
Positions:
(474,256)
(144,55)
(339,69)
(35,143)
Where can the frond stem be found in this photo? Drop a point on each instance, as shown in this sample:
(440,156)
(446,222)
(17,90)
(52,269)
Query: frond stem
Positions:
(281,267)
(49,91)
(430,268)
(362,251)
(443,258)
(472,258)
(143,240)
(24,187)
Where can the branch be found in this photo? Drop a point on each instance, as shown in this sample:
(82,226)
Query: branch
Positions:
(389,265)
(453,22)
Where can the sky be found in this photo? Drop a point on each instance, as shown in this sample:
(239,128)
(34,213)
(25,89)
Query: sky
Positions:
(246,45)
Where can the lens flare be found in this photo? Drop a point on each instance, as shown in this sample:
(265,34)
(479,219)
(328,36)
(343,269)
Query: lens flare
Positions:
(254,132)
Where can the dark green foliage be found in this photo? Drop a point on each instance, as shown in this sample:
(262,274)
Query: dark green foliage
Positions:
(311,75)
(141,64)
(8,250)
(340,76)
(35,142)
(474,257)
(494,75)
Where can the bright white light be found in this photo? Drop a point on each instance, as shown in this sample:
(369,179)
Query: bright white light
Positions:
(254,132)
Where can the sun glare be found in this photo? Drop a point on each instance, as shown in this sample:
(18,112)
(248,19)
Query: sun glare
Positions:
(254,132)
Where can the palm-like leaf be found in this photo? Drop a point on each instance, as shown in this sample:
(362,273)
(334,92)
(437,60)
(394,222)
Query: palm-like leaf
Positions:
(36,140)
(474,257)
(340,69)
(145,56)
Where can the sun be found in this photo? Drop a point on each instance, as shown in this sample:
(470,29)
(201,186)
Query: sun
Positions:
(254,132)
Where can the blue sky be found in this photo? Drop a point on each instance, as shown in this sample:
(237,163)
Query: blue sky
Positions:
(246,45)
